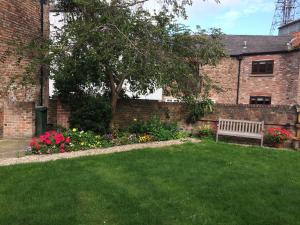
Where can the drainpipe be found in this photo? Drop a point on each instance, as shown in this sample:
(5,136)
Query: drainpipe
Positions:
(239,58)
(42,2)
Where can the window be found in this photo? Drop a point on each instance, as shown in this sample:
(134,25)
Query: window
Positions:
(262,67)
(260,100)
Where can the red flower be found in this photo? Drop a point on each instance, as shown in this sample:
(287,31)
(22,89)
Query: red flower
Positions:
(62,148)
(68,140)
(32,143)
(37,146)
(47,142)
(58,138)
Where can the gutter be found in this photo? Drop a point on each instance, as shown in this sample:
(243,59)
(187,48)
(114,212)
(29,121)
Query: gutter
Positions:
(239,58)
(42,2)
(266,53)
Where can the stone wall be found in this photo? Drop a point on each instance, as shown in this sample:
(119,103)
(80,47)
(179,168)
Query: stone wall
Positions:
(18,119)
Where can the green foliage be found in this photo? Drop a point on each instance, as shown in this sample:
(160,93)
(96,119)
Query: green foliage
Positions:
(90,113)
(161,131)
(198,108)
(81,140)
(205,131)
(103,44)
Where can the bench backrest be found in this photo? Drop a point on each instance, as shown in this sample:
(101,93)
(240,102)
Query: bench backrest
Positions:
(240,126)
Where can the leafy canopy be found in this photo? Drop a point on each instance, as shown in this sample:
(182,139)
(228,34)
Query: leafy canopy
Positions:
(104,44)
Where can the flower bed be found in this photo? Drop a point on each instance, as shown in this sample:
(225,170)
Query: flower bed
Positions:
(75,140)
(277,136)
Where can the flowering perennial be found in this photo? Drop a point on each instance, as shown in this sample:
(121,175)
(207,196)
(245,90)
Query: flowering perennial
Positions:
(49,142)
(278,135)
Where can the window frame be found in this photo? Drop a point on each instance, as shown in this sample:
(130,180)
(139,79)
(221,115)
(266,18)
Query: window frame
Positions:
(267,100)
(259,71)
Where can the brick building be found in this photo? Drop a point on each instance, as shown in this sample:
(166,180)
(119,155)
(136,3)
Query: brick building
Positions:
(20,20)
(259,70)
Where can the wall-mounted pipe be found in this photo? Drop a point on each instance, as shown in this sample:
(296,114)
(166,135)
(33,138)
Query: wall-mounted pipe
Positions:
(42,2)
(239,58)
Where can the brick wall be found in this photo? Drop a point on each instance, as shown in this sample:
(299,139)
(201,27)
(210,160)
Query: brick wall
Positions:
(19,21)
(128,110)
(58,114)
(278,116)
(19,120)
(224,75)
(282,85)
(1,120)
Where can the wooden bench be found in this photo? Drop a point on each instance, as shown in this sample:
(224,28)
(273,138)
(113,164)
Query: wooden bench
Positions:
(241,128)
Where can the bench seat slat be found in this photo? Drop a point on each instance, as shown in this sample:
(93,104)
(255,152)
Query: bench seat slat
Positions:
(237,134)
(241,128)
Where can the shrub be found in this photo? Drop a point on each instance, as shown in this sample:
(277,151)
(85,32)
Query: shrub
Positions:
(70,140)
(278,135)
(205,131)
(125,138)
(160,131)
(91,114)
(83,140)
(181,134)
(198,108)
(137,127)
(50,142)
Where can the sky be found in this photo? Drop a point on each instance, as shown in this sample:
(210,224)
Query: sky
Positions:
(233,16)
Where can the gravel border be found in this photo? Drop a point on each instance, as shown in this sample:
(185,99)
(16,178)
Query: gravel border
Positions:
(99,151)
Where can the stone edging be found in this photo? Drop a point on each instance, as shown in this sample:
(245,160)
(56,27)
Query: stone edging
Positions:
(67,155)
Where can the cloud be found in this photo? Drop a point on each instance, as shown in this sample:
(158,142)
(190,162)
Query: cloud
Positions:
(230,18)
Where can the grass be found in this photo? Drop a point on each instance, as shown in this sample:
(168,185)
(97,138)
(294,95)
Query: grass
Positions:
(204,183)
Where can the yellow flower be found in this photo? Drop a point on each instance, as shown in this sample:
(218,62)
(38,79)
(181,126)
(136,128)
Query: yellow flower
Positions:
(145,138)
(74,130)
(134,119)
(82,143)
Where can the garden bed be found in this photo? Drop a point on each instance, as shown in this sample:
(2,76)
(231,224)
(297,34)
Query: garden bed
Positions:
(98,151)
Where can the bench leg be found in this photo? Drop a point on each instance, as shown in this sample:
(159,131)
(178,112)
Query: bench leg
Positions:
(217,137)
(262,142)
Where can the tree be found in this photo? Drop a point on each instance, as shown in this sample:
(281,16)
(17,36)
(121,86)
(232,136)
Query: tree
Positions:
(104,45)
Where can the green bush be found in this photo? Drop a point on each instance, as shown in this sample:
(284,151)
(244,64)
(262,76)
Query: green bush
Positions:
(198,108)
(91,114)
(160,131)
(83,140)
(205,131)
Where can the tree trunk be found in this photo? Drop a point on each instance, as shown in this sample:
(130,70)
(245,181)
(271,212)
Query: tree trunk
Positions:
(115,91)
(113,102)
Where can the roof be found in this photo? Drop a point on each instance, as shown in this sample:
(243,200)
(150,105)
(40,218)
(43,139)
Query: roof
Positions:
(255,44)
(290,23)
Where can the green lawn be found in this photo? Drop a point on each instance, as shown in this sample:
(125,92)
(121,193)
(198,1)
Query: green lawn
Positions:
(199,184)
